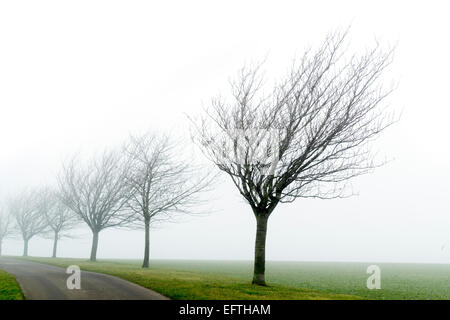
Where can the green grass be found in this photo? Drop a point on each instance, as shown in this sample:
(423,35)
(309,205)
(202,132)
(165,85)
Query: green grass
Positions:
(184,279)
(9,288)
(176,282)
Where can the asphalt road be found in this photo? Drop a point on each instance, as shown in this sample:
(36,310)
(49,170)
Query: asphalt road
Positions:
(44,282)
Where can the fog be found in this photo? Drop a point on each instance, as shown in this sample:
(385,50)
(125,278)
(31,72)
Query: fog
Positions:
(80,76)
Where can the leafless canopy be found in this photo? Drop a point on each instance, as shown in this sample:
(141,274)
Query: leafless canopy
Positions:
(27,210)
(160,182)
(96,192)
(5,226)
(60,218)
(319,120)
(305,138)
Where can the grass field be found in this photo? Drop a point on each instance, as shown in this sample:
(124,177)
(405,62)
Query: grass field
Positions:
(9,289)
(183,279)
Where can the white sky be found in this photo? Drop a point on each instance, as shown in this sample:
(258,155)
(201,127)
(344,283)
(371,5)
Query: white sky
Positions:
(81,75)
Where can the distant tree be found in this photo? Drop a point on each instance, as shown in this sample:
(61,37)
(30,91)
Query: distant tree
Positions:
(27,210)
(60,218)
(161,183)
(305,137)
(5,226)
(97,193)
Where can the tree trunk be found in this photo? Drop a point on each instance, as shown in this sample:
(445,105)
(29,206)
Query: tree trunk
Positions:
(25,247)
(146,262)
(55,245)
(94,246)
(260,250)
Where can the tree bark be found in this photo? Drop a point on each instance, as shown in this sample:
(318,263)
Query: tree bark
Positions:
(25,247)
(94,246)
(55,245)
(260,250)
(146,261)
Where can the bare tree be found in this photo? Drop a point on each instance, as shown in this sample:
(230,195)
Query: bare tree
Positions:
(305,138)
(161,183)
(27,210)
(5,226)
(96,192)
(60,218)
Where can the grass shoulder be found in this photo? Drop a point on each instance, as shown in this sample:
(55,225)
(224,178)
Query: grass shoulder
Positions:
(9,288)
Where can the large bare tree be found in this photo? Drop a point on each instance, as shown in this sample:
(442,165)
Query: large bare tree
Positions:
(161,183)
(302,138)
(60,218)
(28,212)
(96,192)
(6,229)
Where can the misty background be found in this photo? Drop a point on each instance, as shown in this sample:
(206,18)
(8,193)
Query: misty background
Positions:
(80,76)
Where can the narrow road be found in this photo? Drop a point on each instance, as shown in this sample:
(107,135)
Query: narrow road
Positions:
(44,282)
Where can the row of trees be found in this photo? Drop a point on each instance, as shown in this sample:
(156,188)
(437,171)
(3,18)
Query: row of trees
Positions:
(302,138)
(36,212)
(143,182)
